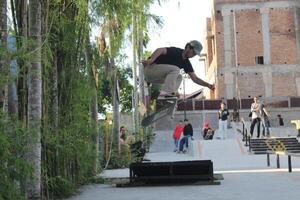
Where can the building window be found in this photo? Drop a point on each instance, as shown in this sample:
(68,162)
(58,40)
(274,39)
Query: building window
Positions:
(259,60)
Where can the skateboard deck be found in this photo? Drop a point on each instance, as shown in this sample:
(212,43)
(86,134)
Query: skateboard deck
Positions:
(165,107)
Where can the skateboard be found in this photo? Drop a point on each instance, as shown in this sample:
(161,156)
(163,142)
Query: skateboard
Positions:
(164,107)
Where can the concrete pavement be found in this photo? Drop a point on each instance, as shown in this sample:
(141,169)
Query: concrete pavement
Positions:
(246,176)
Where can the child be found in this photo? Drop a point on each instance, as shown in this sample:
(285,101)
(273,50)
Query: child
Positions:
(208,133)
(177,134)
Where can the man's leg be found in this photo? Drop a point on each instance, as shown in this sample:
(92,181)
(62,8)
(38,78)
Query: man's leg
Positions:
(252,126)
(225,128)
(172,80)
(258,127)
(153,74)
(263,124)
(176,144)
(186,141)
(267,127)
(178,82)
(181,144)
(169,75)
(221,129)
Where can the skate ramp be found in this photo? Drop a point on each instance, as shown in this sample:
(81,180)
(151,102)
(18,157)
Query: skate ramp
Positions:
(164,142)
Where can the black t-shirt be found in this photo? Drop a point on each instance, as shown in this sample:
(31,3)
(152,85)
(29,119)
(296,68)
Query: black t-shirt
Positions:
(188,130)
(174,57)
(223,114)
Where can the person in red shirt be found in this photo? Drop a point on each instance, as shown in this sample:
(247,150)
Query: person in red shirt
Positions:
(177,134)
(208,132)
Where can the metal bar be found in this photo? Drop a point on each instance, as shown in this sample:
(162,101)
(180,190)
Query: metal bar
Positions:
(290,163)
(278,161)
(249,143)
(130,175)
(243,131)
(268,159)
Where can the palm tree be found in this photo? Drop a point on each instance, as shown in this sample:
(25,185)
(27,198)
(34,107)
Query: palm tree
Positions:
(140,19)
(33,186)
(94,101)
(3,49)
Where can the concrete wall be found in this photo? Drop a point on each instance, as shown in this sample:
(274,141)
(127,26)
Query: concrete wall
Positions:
(197,118)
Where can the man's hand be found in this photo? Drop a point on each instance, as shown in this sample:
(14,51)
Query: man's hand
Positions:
(199,81)
(145,63)
(211,86)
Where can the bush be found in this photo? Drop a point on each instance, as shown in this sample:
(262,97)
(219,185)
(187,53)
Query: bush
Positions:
(60,187)
(14,170)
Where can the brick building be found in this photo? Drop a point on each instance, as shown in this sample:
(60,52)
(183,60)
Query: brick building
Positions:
(252,47)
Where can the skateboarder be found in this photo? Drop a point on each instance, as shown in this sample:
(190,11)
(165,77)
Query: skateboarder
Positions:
(163,67)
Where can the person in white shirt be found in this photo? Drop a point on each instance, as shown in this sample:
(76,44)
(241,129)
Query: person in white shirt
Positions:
(223,116)
(256,118)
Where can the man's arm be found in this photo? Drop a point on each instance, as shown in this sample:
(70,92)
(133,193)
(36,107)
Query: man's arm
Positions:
(266,112)
(154,56)
(199,81)
(252,107)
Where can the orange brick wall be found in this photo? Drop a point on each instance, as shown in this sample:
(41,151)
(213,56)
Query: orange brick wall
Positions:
(283,49)
(251,84)
(283,37)
(219,38)
(220,88)
(249,36)
(281,89)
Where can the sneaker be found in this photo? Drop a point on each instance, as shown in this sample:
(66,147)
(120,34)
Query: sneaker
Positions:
(167,96)
(176,94)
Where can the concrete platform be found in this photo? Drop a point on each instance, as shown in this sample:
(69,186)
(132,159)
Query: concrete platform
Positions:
(246,176)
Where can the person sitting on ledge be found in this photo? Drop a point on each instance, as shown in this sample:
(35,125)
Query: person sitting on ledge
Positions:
(208,132)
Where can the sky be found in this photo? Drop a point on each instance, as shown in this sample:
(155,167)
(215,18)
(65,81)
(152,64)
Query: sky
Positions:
(184,20)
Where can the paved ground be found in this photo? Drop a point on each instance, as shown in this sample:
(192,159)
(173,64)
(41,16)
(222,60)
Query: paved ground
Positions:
(246,176)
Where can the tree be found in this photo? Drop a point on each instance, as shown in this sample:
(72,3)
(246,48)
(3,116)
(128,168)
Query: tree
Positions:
(115,21)
(12,90)
(3,50)
(33,186)
(57,90)
(92,73)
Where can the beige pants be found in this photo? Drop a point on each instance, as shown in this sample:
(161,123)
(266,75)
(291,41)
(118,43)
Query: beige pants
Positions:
(168,75)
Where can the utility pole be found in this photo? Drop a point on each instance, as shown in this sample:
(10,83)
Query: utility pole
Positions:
(184,100)
(237,90)
(134,66)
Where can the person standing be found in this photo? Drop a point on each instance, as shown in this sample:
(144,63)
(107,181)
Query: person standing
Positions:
(177,134)
(280,120)
(187,133)
(265,120)
(255,116)
(223,116)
